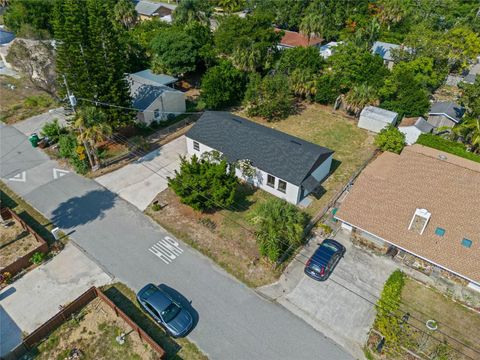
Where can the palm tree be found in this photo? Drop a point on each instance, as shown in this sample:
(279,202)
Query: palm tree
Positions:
(125,13)
(93,128)
(312,25)
(304,82)
(360,96)
(392,11)
(192,10)
(469,130)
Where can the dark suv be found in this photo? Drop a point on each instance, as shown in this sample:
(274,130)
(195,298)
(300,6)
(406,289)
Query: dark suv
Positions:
(324,260)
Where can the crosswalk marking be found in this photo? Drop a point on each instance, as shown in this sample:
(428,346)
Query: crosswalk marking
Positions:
(58,173)
(167,249)
(21,177)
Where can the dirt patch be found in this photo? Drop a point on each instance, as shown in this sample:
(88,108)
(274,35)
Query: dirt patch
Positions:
(224,236)
(93,332)
(15,242)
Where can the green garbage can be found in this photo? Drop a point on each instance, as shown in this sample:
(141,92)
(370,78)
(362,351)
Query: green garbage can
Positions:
(34,139)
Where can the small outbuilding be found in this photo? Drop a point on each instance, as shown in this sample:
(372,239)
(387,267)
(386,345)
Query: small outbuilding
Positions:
(445,113)
(413,127)
(375,119)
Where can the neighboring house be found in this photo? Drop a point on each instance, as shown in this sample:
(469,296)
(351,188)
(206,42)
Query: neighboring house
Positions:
(293,39)
(375,119)
(472,74)
(327,50)
(153,99)
(384,49)
(413,128)
(445,113)
(147,10)
(285,166)
(422,203)
(6,37)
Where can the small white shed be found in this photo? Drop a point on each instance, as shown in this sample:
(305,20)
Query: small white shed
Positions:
(374,119)
(413,128)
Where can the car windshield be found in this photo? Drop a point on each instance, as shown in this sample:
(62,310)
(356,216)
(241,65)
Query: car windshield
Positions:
(329,246)
(170,312)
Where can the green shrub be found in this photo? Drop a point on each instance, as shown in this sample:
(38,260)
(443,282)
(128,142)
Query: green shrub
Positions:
(156,206)
(53,130)
(68,148)
(451,147)
(37,258)
(390,139)
(37,101)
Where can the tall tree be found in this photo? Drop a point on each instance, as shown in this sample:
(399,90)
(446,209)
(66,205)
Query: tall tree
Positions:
(360,96)
(392,12)
(192,11)
(125,13)
(30,18)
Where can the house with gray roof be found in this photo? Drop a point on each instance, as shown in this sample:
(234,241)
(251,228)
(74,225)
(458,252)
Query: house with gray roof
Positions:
(147,10)
(152,98)
(384,50)
(284,165)
(413,127)
(375,119)
(445,113)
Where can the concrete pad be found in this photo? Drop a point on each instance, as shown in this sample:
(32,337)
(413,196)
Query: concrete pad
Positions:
(139,182)
(36,297)
(35,123)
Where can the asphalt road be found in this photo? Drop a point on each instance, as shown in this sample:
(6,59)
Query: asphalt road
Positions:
(233,321)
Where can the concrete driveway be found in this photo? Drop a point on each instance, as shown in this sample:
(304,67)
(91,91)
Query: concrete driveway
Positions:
(139,182)
(36,297)
(35,123)
(335,306)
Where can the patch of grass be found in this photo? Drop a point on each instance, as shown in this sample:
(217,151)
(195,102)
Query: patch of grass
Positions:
(321,125)
(125,299)
(27,213)
(448,146)
(21,100)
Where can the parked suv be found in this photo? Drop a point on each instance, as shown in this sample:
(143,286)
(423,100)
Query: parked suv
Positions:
(324,260)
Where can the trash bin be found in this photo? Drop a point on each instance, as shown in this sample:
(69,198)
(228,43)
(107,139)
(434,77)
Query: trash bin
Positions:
(34,139)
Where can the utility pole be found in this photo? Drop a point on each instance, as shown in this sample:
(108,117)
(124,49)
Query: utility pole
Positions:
(73,103)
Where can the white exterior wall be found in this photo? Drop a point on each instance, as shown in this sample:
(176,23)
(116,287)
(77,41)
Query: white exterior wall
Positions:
(371,124)
(291,195)
(411,134)
(168,102)
(323,170)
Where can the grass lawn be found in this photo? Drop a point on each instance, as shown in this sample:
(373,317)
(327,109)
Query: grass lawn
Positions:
(175,349)
(23,101)
(321,125)
(93,332)
(225,236)
(453,319)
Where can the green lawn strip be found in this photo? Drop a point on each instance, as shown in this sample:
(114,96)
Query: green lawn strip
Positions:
(125,299)
(27,213)
(448,146)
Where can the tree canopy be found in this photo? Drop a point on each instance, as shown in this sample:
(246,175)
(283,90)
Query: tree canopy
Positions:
(390,139)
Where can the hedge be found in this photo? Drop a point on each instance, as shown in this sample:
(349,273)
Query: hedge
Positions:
(448,146)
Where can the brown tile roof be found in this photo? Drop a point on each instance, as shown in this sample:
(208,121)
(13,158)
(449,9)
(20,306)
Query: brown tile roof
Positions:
(385,196)
(408,121)
(294,39)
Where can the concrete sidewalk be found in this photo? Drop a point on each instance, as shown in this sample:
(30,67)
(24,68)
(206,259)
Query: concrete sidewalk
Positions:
(33,299)
(36,123)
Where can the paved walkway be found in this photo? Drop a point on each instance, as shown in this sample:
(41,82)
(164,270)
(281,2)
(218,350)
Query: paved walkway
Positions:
(232,321)
(36,297)
(35,123)
(140,181)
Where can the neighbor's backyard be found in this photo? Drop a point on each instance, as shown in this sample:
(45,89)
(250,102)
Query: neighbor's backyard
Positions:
(227,236)
(15,242)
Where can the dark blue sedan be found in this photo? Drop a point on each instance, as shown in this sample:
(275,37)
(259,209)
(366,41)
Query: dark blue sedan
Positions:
(168,313)
(324,260)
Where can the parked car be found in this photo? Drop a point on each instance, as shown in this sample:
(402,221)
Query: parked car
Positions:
(324,260)
(163,309)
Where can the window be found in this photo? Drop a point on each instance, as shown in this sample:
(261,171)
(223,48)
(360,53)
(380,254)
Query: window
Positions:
(467,243)
(439,231)
(156,113)
(282,186)
(271,180)
(196,146)
(150,307)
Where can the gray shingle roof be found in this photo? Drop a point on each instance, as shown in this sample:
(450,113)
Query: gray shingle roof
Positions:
(148,77)
(282,155)
(423,125)
(146,94)
(379,114)
(448,108)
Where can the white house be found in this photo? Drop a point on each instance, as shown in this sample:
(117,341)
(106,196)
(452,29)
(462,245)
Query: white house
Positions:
(285,166)
(153,99)
(375,119)
(327,50)
(413,128)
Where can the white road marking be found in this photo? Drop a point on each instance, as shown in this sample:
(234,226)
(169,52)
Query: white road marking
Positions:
(21,177)
(58,173)
(167,249)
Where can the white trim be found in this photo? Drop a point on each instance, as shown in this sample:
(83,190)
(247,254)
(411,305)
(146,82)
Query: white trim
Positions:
(446,115)
(410,252)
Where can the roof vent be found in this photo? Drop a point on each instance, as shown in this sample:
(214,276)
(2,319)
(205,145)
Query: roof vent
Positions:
(419,220)
(237,120)
(295,142)
(442,157)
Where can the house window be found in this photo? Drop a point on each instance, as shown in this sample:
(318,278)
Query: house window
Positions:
(282,186)
(196,146)
(467,243)
(271,180)
(439,231)
(156,113)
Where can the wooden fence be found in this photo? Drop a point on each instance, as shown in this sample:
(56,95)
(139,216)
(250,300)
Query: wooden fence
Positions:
(31,340)
(24,261)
